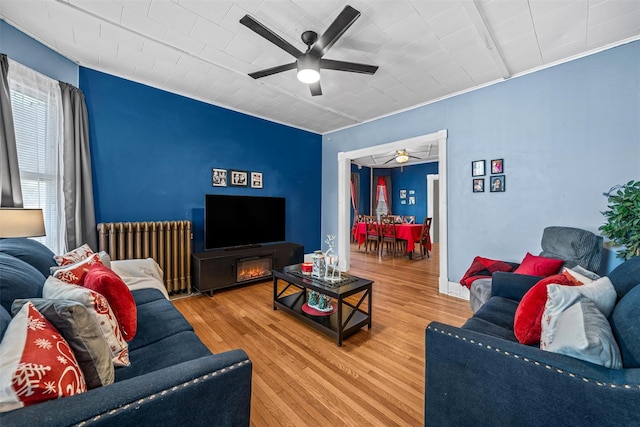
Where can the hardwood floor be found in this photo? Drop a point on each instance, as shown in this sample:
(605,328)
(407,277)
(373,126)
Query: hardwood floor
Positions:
(300,377)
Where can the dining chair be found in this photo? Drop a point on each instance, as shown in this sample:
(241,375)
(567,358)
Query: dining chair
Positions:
(388,234)
(373,233)
(425,237)
(408,219)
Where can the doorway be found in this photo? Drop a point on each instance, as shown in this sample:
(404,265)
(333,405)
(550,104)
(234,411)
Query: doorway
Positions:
(344,195)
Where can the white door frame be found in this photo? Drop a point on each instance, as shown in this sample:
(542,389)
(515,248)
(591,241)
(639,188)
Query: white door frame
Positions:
(344,195)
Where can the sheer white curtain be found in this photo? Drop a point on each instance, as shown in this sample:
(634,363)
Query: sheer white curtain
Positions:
(37,114)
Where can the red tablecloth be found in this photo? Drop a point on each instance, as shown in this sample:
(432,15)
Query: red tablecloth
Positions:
(408,232)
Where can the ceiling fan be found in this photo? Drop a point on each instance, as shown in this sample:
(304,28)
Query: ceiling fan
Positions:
(310,62)
(401,156)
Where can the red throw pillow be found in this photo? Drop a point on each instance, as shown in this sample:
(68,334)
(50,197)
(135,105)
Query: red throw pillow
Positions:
(539,265)
(527,323)
(107,283)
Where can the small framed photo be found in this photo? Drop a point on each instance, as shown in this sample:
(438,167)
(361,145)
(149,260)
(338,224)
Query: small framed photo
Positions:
(403,194)
(478,185)
(412,200)
(219,178)
(238,178)
(477,168)
(497,166)
(497,183)
(256,179)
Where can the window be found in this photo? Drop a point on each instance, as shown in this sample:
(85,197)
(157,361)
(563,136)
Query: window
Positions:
(37,113)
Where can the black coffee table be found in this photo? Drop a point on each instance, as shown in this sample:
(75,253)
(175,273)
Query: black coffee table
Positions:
(290,288)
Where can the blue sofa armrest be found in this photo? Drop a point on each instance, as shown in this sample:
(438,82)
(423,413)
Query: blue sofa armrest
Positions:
(211,390)
(474,379)
(511,285)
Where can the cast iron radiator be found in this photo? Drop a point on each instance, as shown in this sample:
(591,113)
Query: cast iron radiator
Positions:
(167,242)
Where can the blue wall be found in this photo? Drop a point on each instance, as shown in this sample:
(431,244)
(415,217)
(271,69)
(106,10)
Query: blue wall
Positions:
(567,134)
(27,51)
(153,152)
(412,178)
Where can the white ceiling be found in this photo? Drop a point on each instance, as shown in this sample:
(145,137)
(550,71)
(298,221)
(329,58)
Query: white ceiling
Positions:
(426,49)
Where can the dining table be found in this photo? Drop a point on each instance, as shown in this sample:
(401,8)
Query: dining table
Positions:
(409,232)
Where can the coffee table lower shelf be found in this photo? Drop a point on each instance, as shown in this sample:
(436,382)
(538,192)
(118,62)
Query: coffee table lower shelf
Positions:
(292,304)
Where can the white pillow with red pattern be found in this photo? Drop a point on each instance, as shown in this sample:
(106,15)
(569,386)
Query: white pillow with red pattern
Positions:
(98,307)
(36,363)
(74,273)
(71,257)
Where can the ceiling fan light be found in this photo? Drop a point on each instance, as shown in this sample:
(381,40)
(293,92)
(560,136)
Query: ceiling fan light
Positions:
(402,158)
(308,75)
(308,69)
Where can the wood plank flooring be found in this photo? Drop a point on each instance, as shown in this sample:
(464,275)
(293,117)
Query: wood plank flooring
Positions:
(300,377)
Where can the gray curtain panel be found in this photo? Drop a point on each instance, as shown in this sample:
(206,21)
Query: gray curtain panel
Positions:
(78,184)
(9,172)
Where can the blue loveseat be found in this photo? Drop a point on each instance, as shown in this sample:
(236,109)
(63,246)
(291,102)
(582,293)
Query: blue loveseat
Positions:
(173,377)
(479,375)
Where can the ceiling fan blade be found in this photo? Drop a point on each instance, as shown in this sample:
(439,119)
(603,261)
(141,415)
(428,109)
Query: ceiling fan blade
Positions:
(389,161)
(346,18)
(273,70)
(315,89)
(354,67)
(257,27)
(414,157)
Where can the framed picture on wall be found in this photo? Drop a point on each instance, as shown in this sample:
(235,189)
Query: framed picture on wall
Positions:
(256,179)
(403,194)
(219,178)
(497,183)
(238,178)
(412,200)
(497,166)
(477,168)
(478,185)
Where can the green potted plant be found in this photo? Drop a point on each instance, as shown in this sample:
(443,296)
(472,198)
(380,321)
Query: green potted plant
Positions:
(623,218)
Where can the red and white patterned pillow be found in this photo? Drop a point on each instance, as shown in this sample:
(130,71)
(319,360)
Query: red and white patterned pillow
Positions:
(71,257)
(98,307)
(75,273)
(36,363)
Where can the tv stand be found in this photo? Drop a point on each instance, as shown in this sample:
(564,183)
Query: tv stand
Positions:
(235,248)
(222,268)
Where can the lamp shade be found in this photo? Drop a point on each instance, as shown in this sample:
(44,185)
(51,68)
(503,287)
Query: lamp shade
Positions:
(18,222)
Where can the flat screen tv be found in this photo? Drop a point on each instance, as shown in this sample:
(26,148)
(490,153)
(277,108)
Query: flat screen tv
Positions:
(232,221)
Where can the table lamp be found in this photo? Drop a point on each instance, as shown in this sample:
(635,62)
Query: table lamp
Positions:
(19,222)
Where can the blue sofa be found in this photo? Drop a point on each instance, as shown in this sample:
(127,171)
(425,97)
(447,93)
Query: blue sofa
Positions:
(479,375)
(173,377)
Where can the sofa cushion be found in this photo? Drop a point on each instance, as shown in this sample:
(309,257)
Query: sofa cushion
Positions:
(534,265)
(18,280)
(30,251)
(169,351)
(36,363)
(5,319)
(157,319)
(582,331)
(81,332)
(626,276)
(529,312)
(626,328)
(494,318)
(110,285)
